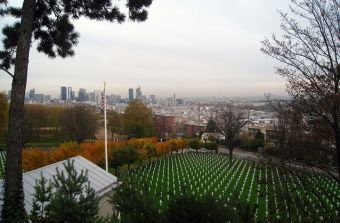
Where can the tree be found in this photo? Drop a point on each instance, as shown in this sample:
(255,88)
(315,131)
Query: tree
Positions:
(309,52)
(50,25)
(138,120)
(134,206)
(211,126)
(150,150)
(116,159)
(172,146)
(35,118)
(195,144)
(3,115)
(79,123)
(229,120)
(181,144)
(114,123)
(68,198)
(188,208)
(211,146)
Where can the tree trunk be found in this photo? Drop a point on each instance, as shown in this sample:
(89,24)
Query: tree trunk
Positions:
(231,154)
(336,117)
(13,207)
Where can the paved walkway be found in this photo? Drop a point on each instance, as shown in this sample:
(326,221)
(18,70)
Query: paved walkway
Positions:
(238,153)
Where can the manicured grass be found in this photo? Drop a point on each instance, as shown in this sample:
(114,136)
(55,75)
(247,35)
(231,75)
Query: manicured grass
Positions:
(214,175)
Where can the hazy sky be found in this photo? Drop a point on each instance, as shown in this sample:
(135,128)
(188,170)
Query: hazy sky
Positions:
(191,47)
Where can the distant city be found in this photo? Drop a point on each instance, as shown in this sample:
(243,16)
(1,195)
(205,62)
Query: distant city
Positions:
(173,115)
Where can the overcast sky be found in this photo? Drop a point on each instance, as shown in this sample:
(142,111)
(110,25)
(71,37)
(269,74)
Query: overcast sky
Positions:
(190,47)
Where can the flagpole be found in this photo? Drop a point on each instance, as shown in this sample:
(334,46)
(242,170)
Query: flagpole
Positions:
(105,130)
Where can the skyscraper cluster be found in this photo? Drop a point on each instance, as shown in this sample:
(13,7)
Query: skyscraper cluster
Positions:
(66,94)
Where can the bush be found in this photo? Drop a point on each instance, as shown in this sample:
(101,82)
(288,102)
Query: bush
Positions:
(253,144)
(195,144)
(211,146)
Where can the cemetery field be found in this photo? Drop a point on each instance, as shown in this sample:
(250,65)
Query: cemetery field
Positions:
(274,193)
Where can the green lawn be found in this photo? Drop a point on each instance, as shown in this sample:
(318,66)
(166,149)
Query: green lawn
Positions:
(214,175)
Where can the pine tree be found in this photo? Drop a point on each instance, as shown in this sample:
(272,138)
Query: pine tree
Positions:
(69,197)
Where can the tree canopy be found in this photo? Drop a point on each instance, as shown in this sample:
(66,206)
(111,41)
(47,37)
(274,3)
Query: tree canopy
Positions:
(138,120)
(310,56)
(79,123)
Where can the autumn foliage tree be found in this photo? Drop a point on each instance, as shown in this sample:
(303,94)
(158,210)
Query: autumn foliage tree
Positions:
(50,25)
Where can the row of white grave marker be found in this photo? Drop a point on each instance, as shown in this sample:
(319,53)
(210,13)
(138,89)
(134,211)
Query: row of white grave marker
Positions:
(214,175)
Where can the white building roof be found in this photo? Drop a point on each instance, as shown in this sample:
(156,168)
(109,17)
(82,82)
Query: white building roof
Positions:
(99,179)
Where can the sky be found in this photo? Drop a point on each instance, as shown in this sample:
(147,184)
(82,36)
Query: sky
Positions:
(192,48)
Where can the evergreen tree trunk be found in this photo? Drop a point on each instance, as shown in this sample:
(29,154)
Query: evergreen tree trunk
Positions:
(13,207)
(336,130)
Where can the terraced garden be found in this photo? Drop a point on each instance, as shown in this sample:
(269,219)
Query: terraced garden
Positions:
(254,183)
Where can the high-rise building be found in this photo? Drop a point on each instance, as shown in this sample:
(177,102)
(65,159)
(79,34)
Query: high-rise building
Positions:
(73,95)
(130,94)
(139,93)
(39,98)
(31,94)
(63,93)
(81,94)
(174,100)
(69,93)
(153,99)
(98,97)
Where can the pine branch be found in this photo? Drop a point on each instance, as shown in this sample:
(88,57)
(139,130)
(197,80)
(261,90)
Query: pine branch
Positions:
(9,73)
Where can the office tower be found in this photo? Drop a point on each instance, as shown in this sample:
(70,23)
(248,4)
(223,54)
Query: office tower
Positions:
(174,100)
(39,98)
(139,93)
(31,94)
(153,99)
(81,94)
(130,94)
(98,99)
(73,95)
(92,97)
(47,98)
(69,93)
(63,93)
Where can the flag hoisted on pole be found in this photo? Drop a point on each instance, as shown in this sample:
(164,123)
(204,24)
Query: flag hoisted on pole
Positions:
(105,129)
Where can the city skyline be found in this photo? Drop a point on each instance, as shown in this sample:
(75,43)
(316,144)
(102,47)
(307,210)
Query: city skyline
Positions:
(192,48)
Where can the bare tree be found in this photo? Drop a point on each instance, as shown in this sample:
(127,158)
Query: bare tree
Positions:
(309,52)
(229,120)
